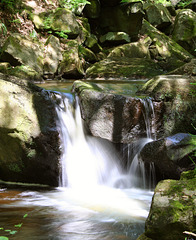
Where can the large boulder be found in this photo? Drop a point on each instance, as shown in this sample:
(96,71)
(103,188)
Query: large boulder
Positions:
(122,18)
(157,15)
(29,141)
(60,20)
(184,31)
(20,50)
(138,49)
(123,68)
(173,209)
(177,94)
(114,117)
(169,53)
(71,65)
(171,156)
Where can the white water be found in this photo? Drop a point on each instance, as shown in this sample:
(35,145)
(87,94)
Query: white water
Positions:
(91,170)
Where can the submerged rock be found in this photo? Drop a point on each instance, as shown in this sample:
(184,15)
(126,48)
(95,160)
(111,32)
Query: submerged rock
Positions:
(29,142)
(173,209)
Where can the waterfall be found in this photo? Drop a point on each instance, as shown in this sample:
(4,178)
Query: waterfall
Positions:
(89,161)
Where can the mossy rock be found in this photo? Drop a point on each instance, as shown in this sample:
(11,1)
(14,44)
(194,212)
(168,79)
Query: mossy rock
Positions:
(29,143)
(20,50)
(59,20)
(123,68)
(177,94)
(184,31)
(173,210)
(71,65)
(170,54)
(25,72)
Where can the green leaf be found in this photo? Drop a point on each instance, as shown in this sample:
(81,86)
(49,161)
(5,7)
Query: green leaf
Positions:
(13,232)
(18,225)
(3,238)
(7,230)
(1,228)
(25,215)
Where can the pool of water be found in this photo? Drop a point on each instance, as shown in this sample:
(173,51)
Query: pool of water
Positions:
(66,214)
(128,88)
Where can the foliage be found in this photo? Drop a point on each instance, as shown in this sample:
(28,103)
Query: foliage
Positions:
(10,5)
(3,29)
(11,232)
(73,4)
(184,3)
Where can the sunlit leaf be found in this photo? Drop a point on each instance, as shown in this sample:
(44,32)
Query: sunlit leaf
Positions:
(18,225)
(13,232)
(25,215)
(3,238)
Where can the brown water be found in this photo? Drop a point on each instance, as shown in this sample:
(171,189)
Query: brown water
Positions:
(65,214)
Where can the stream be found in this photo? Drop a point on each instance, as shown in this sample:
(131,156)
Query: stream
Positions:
(96,199)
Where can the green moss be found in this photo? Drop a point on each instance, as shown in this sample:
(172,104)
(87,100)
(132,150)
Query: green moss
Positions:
(14,168)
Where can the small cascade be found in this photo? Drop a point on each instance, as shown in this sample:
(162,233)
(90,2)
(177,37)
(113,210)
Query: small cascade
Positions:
(141,175)
(86,161)
(89,161)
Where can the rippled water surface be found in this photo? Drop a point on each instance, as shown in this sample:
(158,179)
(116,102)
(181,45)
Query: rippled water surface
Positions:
(67,214)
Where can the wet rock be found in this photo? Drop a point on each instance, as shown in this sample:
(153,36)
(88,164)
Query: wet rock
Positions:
(184,31)
(173,209)
(177,93)
(171,155)
(29,141)
(110,116)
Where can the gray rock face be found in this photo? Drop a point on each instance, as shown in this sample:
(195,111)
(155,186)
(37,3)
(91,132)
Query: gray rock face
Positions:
(114,117)
(29,141)
(173,209)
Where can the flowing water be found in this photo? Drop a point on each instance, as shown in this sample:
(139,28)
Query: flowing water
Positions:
(96,199)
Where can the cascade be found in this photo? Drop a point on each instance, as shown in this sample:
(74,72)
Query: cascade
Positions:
(88,161)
